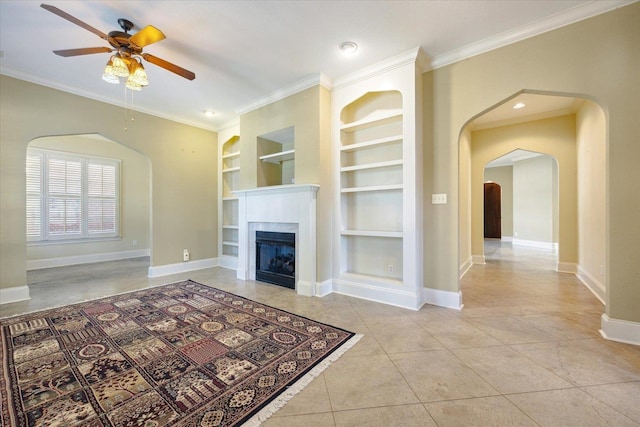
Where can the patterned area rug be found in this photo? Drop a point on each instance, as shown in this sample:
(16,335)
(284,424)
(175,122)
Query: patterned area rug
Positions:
(182,354)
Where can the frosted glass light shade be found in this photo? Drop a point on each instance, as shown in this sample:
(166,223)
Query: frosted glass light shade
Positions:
(120,68)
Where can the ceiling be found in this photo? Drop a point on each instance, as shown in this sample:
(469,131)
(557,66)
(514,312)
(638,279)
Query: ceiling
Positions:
(245,51)
(510,158)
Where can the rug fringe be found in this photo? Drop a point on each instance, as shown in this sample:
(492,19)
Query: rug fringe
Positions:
(266,412)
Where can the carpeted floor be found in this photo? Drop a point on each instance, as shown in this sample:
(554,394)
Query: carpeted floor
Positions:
(182,354)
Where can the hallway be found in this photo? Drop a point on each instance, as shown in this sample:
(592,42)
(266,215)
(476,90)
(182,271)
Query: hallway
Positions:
(525,350)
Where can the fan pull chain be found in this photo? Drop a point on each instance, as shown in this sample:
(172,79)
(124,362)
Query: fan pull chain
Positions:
(128,112)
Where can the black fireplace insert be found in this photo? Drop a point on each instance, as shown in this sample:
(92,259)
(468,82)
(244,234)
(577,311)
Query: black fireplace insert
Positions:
(276,258)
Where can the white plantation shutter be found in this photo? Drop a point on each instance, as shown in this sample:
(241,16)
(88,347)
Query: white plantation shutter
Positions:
(71,196)
(34,196)
(102,204)
(65,197)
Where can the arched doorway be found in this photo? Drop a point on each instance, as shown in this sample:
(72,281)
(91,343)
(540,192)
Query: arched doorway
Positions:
(528,208)
(575,135)
(112,224)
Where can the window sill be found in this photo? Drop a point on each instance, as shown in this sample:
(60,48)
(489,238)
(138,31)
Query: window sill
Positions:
(73,241)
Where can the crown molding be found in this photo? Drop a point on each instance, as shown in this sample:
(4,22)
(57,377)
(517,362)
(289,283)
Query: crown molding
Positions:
(299,86)
(414,55)
(20,75)
(541,26)
(229,124)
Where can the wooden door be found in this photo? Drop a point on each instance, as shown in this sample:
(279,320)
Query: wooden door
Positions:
(492,218)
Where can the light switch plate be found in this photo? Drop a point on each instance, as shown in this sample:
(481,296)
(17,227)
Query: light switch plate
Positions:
(439,199)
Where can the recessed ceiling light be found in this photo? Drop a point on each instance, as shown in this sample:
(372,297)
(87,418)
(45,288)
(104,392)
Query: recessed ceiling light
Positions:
(209,113)
(519,105)
(348,48)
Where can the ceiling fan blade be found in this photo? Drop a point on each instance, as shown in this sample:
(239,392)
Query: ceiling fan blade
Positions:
(169,66)
(146,36)
(82,51)
(75,20)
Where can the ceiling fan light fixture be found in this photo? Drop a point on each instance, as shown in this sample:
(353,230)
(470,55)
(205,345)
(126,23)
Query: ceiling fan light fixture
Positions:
(137,74)
(108,75)
(132,85)
(120,68)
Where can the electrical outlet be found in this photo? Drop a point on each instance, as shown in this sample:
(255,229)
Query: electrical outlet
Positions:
(134,243)
(185,255)
(391,268)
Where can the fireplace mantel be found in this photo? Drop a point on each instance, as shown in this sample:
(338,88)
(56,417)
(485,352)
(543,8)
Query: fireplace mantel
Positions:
(288,208)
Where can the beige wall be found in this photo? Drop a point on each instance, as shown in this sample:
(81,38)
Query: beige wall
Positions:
(302,111)
(465,200)
(592,196)
(309,112)
(534,207)
(555,137)
(183,162)
(598,58)
(504,177)
(135,195)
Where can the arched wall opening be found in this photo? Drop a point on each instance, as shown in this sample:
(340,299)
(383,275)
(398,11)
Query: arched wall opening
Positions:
(574,135)
(133,238)
(528,210)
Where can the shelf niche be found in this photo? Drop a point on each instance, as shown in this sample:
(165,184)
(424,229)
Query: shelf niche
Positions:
(230,171)
(371,186)
(276,157)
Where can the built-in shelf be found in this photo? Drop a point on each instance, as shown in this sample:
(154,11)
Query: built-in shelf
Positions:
(373,120)
(229,178)
(371,166)
(278,157)
(372,143)
(231,155)
(372,188)
(371,233)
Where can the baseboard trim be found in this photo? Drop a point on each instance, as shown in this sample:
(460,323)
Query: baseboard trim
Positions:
(535,244)
(183,267)
(38,264)
(507,239)
(620,330)
(478,259)
(442,298)
(306,289)
(324,288)
(596,287)
(229,262)
(14,294)
(567,267)
(465,267)
(379,294)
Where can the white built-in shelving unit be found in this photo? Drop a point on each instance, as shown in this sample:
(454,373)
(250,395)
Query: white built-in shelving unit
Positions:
(378,180)
(371,185)
(229,179)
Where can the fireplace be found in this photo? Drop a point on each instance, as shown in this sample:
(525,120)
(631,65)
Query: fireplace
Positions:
(276,258)
(280,209)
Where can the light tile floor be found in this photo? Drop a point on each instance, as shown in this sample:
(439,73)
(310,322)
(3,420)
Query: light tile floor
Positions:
(525,350)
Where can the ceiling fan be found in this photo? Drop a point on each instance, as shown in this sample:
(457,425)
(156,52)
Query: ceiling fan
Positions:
(128,48)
